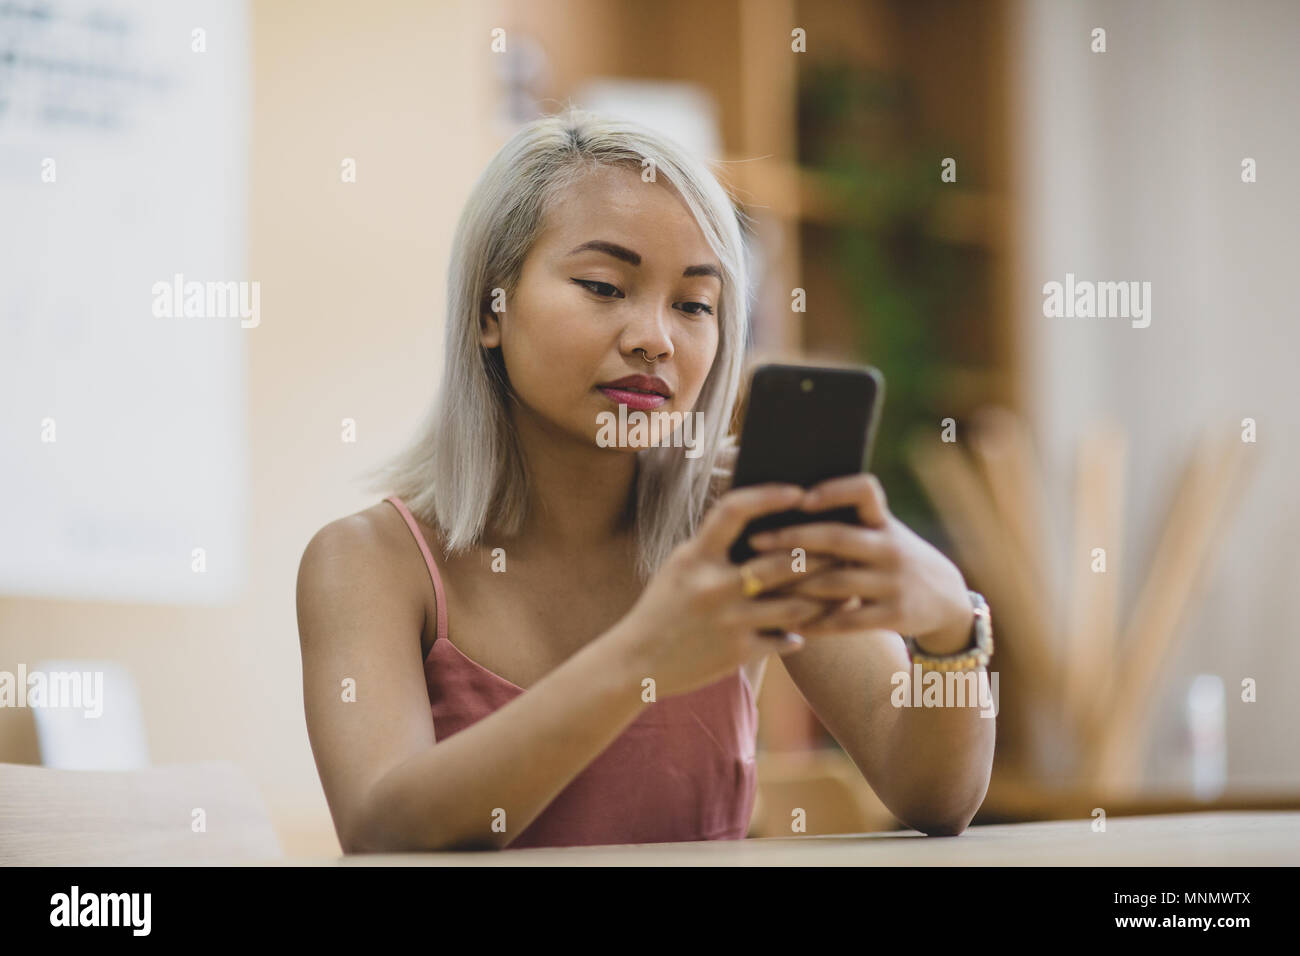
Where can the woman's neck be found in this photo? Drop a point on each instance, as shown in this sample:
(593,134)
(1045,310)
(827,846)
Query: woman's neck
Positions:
(579,496)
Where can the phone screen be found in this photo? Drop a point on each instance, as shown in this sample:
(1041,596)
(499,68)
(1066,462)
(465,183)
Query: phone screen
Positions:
(805,424)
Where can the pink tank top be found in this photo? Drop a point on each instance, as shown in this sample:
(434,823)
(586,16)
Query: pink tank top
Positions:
(684,769)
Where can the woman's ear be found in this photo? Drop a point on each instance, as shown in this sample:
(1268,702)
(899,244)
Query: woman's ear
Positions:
(489,326)
(489,331)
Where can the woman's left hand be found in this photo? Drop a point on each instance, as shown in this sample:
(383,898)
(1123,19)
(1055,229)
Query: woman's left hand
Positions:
(891,578)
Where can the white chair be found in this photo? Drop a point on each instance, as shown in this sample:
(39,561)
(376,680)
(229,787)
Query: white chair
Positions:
(91,718)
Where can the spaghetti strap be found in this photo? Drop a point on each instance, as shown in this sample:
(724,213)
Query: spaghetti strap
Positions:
(428,560)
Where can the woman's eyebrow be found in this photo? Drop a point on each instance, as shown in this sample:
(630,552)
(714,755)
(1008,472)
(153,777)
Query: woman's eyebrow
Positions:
(610,249)
(708,269)
(627,255)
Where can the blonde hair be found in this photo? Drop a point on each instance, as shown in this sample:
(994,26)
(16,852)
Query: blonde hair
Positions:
(465,462)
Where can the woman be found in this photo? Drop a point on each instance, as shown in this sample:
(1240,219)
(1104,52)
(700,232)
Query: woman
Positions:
(606,659)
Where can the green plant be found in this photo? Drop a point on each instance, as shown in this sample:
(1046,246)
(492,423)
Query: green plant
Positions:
(905,287)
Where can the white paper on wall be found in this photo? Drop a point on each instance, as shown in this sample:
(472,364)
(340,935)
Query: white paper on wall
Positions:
(123,141)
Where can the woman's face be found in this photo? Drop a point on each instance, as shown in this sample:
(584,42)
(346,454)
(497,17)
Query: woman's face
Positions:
(621,274)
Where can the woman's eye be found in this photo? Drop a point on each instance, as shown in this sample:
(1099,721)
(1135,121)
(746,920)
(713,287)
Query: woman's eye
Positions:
(599,288)
(702,310)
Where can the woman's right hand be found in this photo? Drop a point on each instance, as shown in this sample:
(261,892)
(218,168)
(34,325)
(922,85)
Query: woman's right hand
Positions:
(694,624)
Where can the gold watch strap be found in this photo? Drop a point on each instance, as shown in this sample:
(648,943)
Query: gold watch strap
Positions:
(976,655)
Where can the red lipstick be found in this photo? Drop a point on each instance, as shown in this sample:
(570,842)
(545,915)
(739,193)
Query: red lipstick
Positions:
(641,392)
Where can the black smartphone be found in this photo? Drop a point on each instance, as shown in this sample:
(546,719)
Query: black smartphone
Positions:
(804,425)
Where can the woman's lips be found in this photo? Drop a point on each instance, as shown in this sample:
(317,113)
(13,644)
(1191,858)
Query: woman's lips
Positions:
(641,401)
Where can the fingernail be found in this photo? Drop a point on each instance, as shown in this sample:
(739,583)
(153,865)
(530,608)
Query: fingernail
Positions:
(762,539)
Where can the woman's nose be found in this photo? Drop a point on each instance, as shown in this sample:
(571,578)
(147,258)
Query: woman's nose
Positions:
(649,334)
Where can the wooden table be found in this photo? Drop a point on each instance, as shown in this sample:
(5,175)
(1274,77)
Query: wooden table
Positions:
(1185,839)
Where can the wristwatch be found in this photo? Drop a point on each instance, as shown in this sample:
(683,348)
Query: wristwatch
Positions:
(975,655)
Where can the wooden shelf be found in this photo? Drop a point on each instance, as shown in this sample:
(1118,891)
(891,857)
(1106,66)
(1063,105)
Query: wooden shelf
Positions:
(798,194)
(739,52)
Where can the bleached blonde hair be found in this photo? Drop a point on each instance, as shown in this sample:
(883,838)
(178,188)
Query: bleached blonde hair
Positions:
(465,462)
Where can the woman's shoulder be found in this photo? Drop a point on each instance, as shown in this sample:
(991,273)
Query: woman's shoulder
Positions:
(362,534)
(365,554)
(380,528)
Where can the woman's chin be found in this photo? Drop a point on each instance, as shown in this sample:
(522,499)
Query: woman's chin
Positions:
(600,442)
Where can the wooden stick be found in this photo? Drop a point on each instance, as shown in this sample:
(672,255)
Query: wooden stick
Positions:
(1093,621)
(963,505)
(1201,504)
(1002,447)
(950,480)
(1000,443)
(932,465)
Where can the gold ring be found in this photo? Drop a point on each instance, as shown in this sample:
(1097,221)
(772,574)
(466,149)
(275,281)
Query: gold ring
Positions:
(750,584)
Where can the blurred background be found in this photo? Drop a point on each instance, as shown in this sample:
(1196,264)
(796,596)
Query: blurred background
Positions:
(917,172)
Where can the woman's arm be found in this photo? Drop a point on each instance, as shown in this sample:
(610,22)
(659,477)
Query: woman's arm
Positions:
(929,765)
(388,786)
